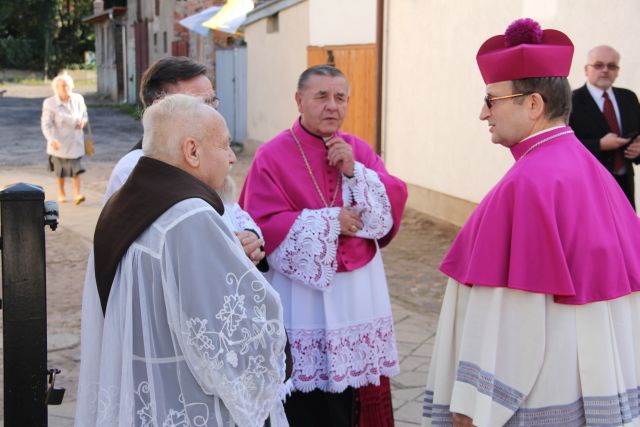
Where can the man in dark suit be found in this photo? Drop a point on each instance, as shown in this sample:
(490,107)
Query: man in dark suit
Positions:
(605,117)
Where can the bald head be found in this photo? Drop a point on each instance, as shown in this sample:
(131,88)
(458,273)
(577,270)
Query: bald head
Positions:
(170,120)
(185,132)
(600,50)
(602,66)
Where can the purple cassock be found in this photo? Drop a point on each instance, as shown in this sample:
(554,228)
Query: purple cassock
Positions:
(280,188)
(333,289)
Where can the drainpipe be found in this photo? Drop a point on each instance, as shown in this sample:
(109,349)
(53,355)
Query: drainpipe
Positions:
(379,67)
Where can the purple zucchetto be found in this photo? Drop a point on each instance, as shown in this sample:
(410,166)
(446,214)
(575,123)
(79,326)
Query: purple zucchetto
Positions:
(525,50)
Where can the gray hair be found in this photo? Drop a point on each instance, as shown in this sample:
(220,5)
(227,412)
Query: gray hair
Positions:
(320,70)
(64,76)
(168,121)
(555,92)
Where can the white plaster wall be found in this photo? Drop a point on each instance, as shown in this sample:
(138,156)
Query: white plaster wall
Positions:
(106,60)
(339,22)
(433,90)
(275,61)
(158,25)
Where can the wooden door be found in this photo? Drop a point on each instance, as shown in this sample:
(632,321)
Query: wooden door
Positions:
(358,63)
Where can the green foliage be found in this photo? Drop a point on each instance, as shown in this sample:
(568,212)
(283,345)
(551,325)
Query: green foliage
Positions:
(134,110)
(81,66)
(21,33)
(52,30)
(71,37)
(20,54)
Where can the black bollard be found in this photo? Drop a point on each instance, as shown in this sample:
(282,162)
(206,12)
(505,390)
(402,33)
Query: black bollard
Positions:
(24,308)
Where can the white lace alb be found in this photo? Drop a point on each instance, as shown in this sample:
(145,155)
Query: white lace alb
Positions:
(333,359)
(371,202)
(308,254)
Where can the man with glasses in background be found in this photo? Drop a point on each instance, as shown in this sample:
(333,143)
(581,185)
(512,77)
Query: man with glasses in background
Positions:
(179,74)
(606,119)
(174,74)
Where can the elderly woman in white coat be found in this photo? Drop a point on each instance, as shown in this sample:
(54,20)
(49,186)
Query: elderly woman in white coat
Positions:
(64,116)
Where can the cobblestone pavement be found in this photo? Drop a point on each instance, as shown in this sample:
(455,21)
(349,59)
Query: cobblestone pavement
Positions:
(411,260)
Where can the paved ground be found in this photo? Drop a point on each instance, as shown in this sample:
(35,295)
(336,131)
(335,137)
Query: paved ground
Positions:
(411,259)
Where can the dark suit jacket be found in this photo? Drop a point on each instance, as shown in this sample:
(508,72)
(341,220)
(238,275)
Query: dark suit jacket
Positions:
(589,123)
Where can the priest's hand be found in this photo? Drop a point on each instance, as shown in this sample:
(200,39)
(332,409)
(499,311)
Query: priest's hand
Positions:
(611,141)
(252,245)
(350,222)
(633,150)
(460,420)
(340,155)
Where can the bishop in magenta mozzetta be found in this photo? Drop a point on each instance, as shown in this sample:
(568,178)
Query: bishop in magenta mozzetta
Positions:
(541,316)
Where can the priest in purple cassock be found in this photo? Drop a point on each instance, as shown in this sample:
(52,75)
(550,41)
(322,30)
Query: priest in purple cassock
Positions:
(326,205)
(540,323)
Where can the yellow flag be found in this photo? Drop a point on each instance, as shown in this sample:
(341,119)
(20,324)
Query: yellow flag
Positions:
(231,16)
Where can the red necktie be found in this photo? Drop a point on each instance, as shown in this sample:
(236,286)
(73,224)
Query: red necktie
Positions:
(610,116)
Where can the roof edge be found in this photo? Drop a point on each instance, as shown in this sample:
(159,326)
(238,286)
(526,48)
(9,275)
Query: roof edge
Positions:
(267,9)
(103,16)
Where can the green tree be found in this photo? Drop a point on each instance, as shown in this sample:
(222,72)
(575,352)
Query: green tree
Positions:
(49,33)
(22,37)
(70,37)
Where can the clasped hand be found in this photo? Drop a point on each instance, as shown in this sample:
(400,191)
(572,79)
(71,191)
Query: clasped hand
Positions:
(633,150)
(350,222)
(340,155)
(251,244)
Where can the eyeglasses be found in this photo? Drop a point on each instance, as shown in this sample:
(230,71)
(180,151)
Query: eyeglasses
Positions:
(213,102)
(489,99)
(600,66)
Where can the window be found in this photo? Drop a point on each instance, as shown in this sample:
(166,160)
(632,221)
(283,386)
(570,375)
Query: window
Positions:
(157,7)
(155,42)
(164,41)
(273,23)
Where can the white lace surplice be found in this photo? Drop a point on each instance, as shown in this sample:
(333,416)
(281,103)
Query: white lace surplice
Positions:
(192,335)
(340,325)
(238,220)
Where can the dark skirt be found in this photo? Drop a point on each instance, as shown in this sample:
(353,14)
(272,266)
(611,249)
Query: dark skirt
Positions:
(368,406)
(64,168)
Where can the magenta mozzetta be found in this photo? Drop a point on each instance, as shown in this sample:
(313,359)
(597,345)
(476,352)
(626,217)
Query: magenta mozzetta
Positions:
(275,206)
(530,219)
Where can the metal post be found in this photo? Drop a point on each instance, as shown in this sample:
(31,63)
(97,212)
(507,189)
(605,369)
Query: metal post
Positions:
(24,305)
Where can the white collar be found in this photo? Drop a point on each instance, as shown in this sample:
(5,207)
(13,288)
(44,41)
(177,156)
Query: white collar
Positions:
(543,131)
(597,93)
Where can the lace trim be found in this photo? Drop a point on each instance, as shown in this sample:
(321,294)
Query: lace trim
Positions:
(188,414)
(308,253)
(252,388)
(371,202)
(332,360)
(108,405)
(243,220)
